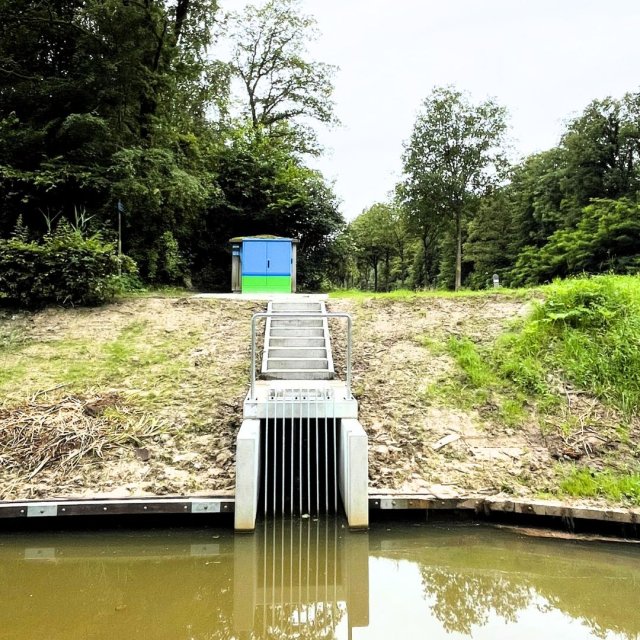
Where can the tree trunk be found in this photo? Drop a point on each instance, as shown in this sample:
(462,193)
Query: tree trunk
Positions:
(458,284)
(386,271)
(425,261)
(375,275)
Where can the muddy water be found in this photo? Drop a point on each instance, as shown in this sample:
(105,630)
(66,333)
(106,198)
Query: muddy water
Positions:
(315,580)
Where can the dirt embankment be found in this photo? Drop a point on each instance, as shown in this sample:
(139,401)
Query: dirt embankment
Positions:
(416,443)
(144,397)
(141,397)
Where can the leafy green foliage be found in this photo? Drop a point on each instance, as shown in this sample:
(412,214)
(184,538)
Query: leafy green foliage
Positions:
(606,238)
(588,329)
(65,268)
(107,102)
(570,210)
(264,188)
(282,88)
(455,155)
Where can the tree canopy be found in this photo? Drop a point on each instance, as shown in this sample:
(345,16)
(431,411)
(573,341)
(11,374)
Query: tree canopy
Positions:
(128,101)
(465,215)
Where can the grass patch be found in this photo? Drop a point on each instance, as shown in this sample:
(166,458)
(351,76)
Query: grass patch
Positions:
(137,358)
(409,294)
(618,487)
(587,330)
(477,386)
(476,369)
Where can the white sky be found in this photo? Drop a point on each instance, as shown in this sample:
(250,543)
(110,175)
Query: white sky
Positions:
(544,60)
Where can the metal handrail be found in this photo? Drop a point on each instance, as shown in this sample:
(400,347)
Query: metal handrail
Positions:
(266,314)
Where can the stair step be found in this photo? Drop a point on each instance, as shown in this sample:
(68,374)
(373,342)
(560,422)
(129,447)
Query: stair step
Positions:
(298,374)
(297,363)
(295,322)
(293,352)
(279,343)
(296,307)
(296,332)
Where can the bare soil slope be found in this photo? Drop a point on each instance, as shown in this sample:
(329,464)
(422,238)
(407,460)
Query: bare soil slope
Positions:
(144,397)
(136,398)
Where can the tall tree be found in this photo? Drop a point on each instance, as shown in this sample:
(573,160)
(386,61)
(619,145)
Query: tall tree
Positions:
(455,153)
(602,152)
(372,232)
(282,88)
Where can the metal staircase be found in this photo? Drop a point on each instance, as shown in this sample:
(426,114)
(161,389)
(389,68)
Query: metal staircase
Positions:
(296,347)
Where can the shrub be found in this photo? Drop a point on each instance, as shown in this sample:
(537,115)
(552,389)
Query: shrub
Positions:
(64,268)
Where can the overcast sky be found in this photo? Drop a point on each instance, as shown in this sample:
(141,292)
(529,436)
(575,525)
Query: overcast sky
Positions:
(544,60)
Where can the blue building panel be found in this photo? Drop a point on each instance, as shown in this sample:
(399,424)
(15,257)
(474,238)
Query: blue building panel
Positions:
(279,258)
(254,258)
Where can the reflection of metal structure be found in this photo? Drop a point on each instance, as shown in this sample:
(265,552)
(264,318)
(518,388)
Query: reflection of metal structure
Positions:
(293,579)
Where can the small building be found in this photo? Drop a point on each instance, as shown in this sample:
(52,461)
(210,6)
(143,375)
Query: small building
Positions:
(263,264)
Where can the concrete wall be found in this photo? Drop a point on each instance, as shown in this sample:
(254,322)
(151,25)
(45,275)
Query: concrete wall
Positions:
(247,475)
(354,473)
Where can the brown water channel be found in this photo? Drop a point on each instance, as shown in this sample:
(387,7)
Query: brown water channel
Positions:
(308,579)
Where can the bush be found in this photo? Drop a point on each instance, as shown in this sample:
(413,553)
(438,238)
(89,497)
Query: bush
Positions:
(64,268)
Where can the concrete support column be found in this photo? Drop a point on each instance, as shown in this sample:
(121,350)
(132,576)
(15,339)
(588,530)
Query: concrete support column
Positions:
(354,473)
(247,475)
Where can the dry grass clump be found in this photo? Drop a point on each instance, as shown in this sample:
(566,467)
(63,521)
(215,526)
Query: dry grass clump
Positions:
(66,432)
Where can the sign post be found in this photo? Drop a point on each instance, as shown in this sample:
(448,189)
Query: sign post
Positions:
(121,210)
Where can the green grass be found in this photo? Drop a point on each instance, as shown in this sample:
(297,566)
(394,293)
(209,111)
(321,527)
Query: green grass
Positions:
(408,294)
(137,358)
(476,387)
(614,486)
(476,368)
(587,330)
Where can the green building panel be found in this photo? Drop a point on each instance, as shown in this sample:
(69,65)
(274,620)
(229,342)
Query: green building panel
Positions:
(266,284)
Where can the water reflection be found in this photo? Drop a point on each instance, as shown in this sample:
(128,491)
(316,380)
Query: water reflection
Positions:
(301,579)
(306,579)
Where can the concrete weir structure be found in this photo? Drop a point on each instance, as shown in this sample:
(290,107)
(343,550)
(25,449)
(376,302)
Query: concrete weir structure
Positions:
(300,449)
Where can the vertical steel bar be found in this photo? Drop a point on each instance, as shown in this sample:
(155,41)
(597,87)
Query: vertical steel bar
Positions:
(300,454)
(291,453)
(265,471)
(308,454)
(326,460)
(274,437)
(284,467)
(317,461)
